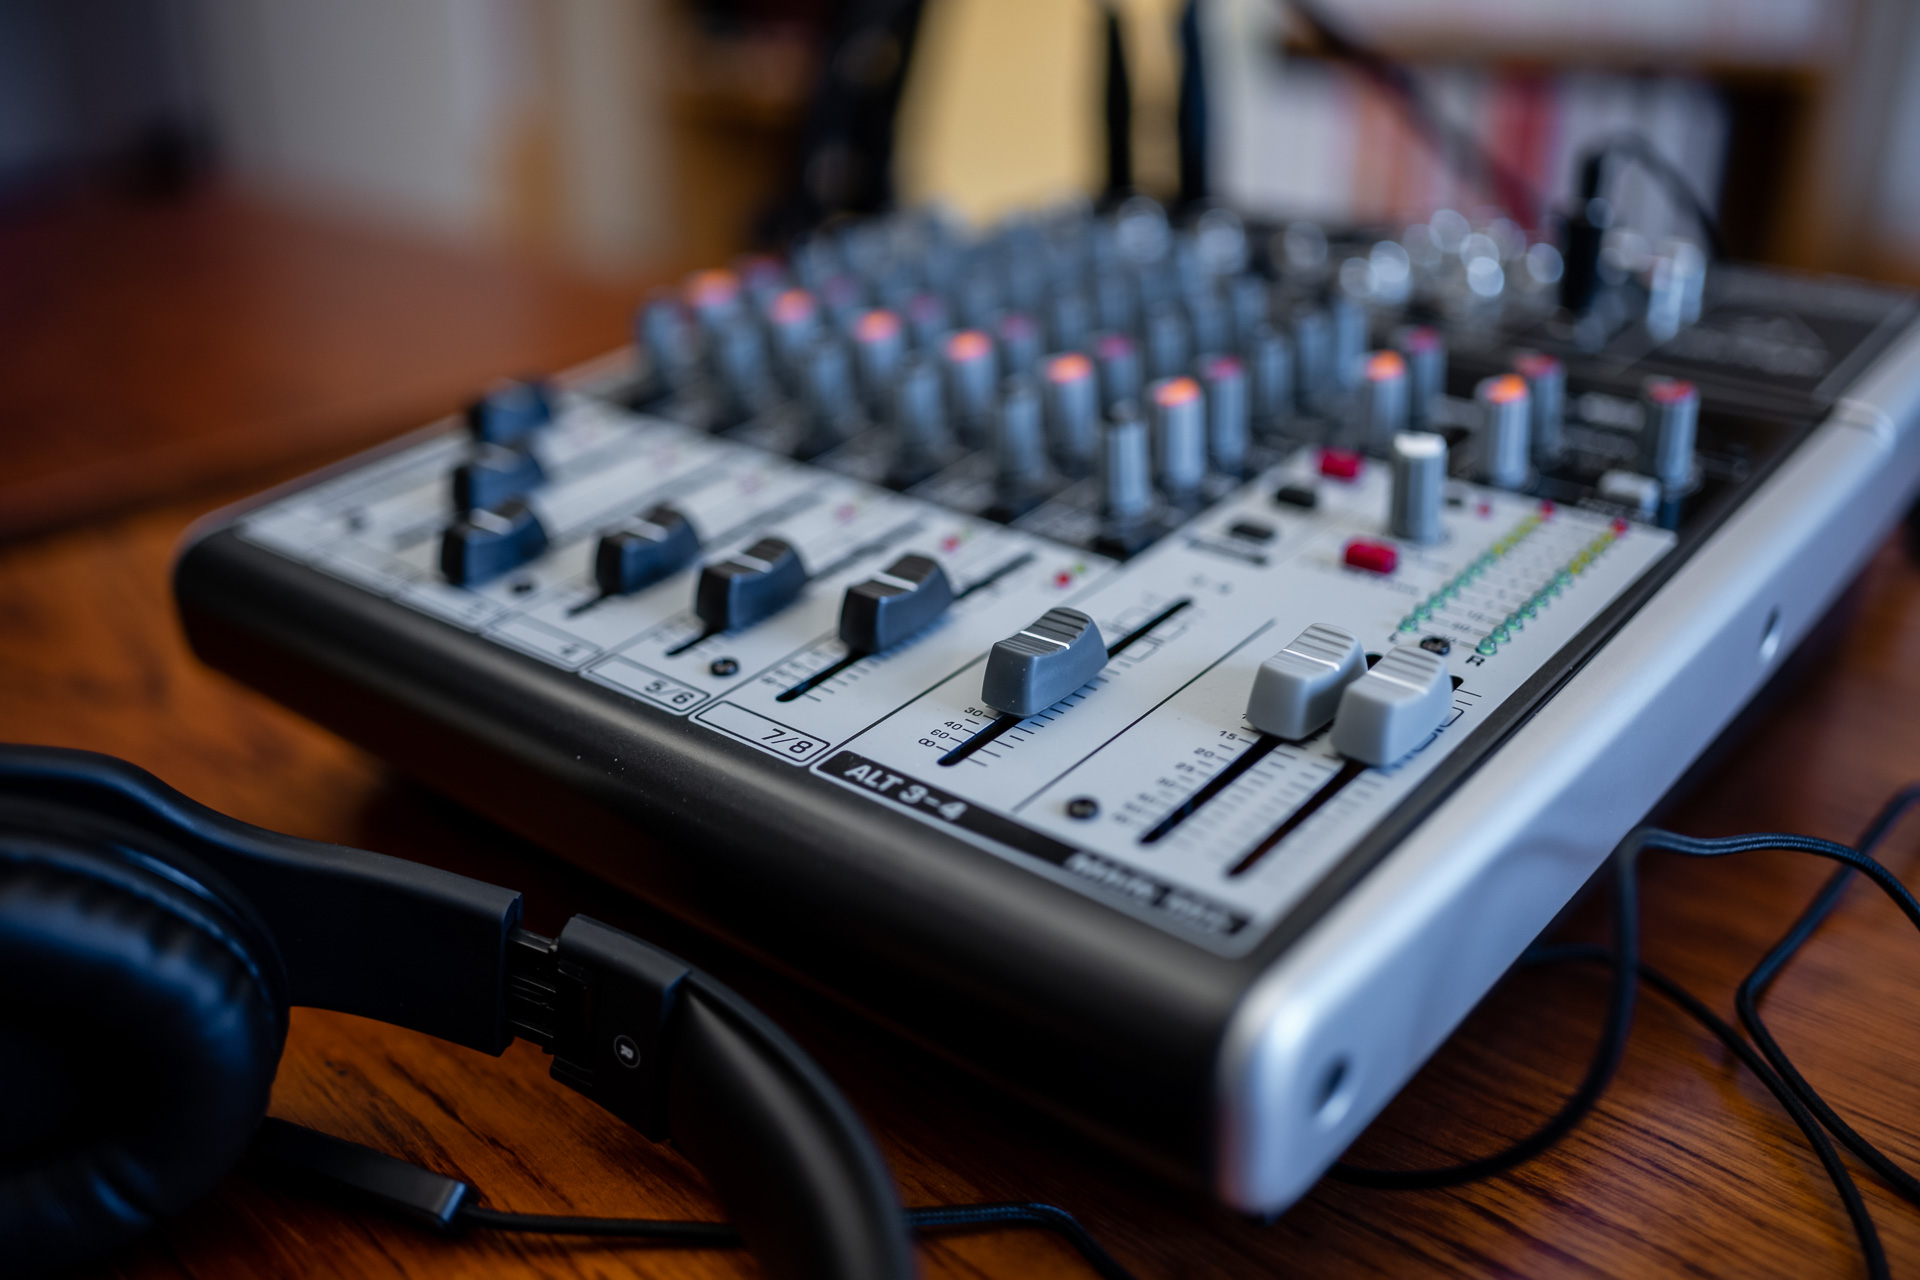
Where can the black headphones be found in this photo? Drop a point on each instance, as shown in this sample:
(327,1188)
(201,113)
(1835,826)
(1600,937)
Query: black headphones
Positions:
(150,949)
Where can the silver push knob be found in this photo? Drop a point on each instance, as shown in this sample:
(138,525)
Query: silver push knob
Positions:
(1419,486)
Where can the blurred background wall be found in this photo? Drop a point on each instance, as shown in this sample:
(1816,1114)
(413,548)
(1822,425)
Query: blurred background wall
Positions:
(614,134)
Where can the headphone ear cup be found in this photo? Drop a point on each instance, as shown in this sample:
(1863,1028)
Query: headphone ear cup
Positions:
(139,1034)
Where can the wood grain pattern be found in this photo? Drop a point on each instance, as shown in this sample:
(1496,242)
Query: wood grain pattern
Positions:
(146,349)
(1687,1168)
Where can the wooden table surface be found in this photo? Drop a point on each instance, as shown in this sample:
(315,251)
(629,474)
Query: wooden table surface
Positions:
(1686,1167)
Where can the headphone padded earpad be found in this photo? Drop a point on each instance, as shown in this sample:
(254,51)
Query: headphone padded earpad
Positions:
(138,1041)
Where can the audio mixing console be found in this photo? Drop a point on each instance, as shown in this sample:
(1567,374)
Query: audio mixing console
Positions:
(1172,670)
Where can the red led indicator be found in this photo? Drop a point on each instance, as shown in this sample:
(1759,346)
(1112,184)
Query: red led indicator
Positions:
(1547,509)
(950,543)
(1063,579)
(1374,557)
(1339,464)
(1620,527)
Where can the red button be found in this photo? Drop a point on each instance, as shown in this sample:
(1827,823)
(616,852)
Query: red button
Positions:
(1341,464)
(1374,557)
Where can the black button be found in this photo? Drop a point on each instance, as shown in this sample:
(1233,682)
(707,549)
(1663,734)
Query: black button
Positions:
(905,597)
(1297,495)
(640,552)
(495,474)
(749,585)
(510,412)
(1251,531)
(1437,644)
(485,544)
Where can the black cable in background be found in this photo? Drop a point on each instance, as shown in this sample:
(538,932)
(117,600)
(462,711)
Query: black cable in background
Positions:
(1754,987)
(1191,117)
(1459,149)
(721,1235)
(1117,110)
(1770,1065)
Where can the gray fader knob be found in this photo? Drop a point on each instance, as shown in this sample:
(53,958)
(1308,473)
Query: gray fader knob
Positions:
(1419,486)
(1297,690)
(1032,669)
(905,597)
(1666,441)
(494,474)
(640,552)
(485,544)
(1391,709)
(749,585)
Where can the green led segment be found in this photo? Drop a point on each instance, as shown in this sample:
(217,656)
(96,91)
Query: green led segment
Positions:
(1467,576)
(1530,609)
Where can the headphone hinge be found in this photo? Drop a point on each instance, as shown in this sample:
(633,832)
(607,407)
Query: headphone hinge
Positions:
(598,999)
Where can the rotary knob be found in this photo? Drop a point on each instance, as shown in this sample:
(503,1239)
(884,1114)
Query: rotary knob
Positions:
(1179,436)
(1506,419)
(1380,410)
(1072,411)
(1666,441)
(1547,393)
(1224,380)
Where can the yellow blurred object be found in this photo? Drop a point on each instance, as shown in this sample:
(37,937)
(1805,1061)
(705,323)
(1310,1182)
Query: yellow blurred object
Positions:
(1003,107)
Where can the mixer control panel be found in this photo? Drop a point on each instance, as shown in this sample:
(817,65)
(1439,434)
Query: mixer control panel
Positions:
(1170,664)
(1194,736)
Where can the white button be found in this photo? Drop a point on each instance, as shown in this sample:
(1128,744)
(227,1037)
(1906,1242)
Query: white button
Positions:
(1390,710)
(1637,493)
(1298,688)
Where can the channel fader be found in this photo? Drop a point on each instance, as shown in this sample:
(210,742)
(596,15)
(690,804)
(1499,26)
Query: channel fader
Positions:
(1172,669)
